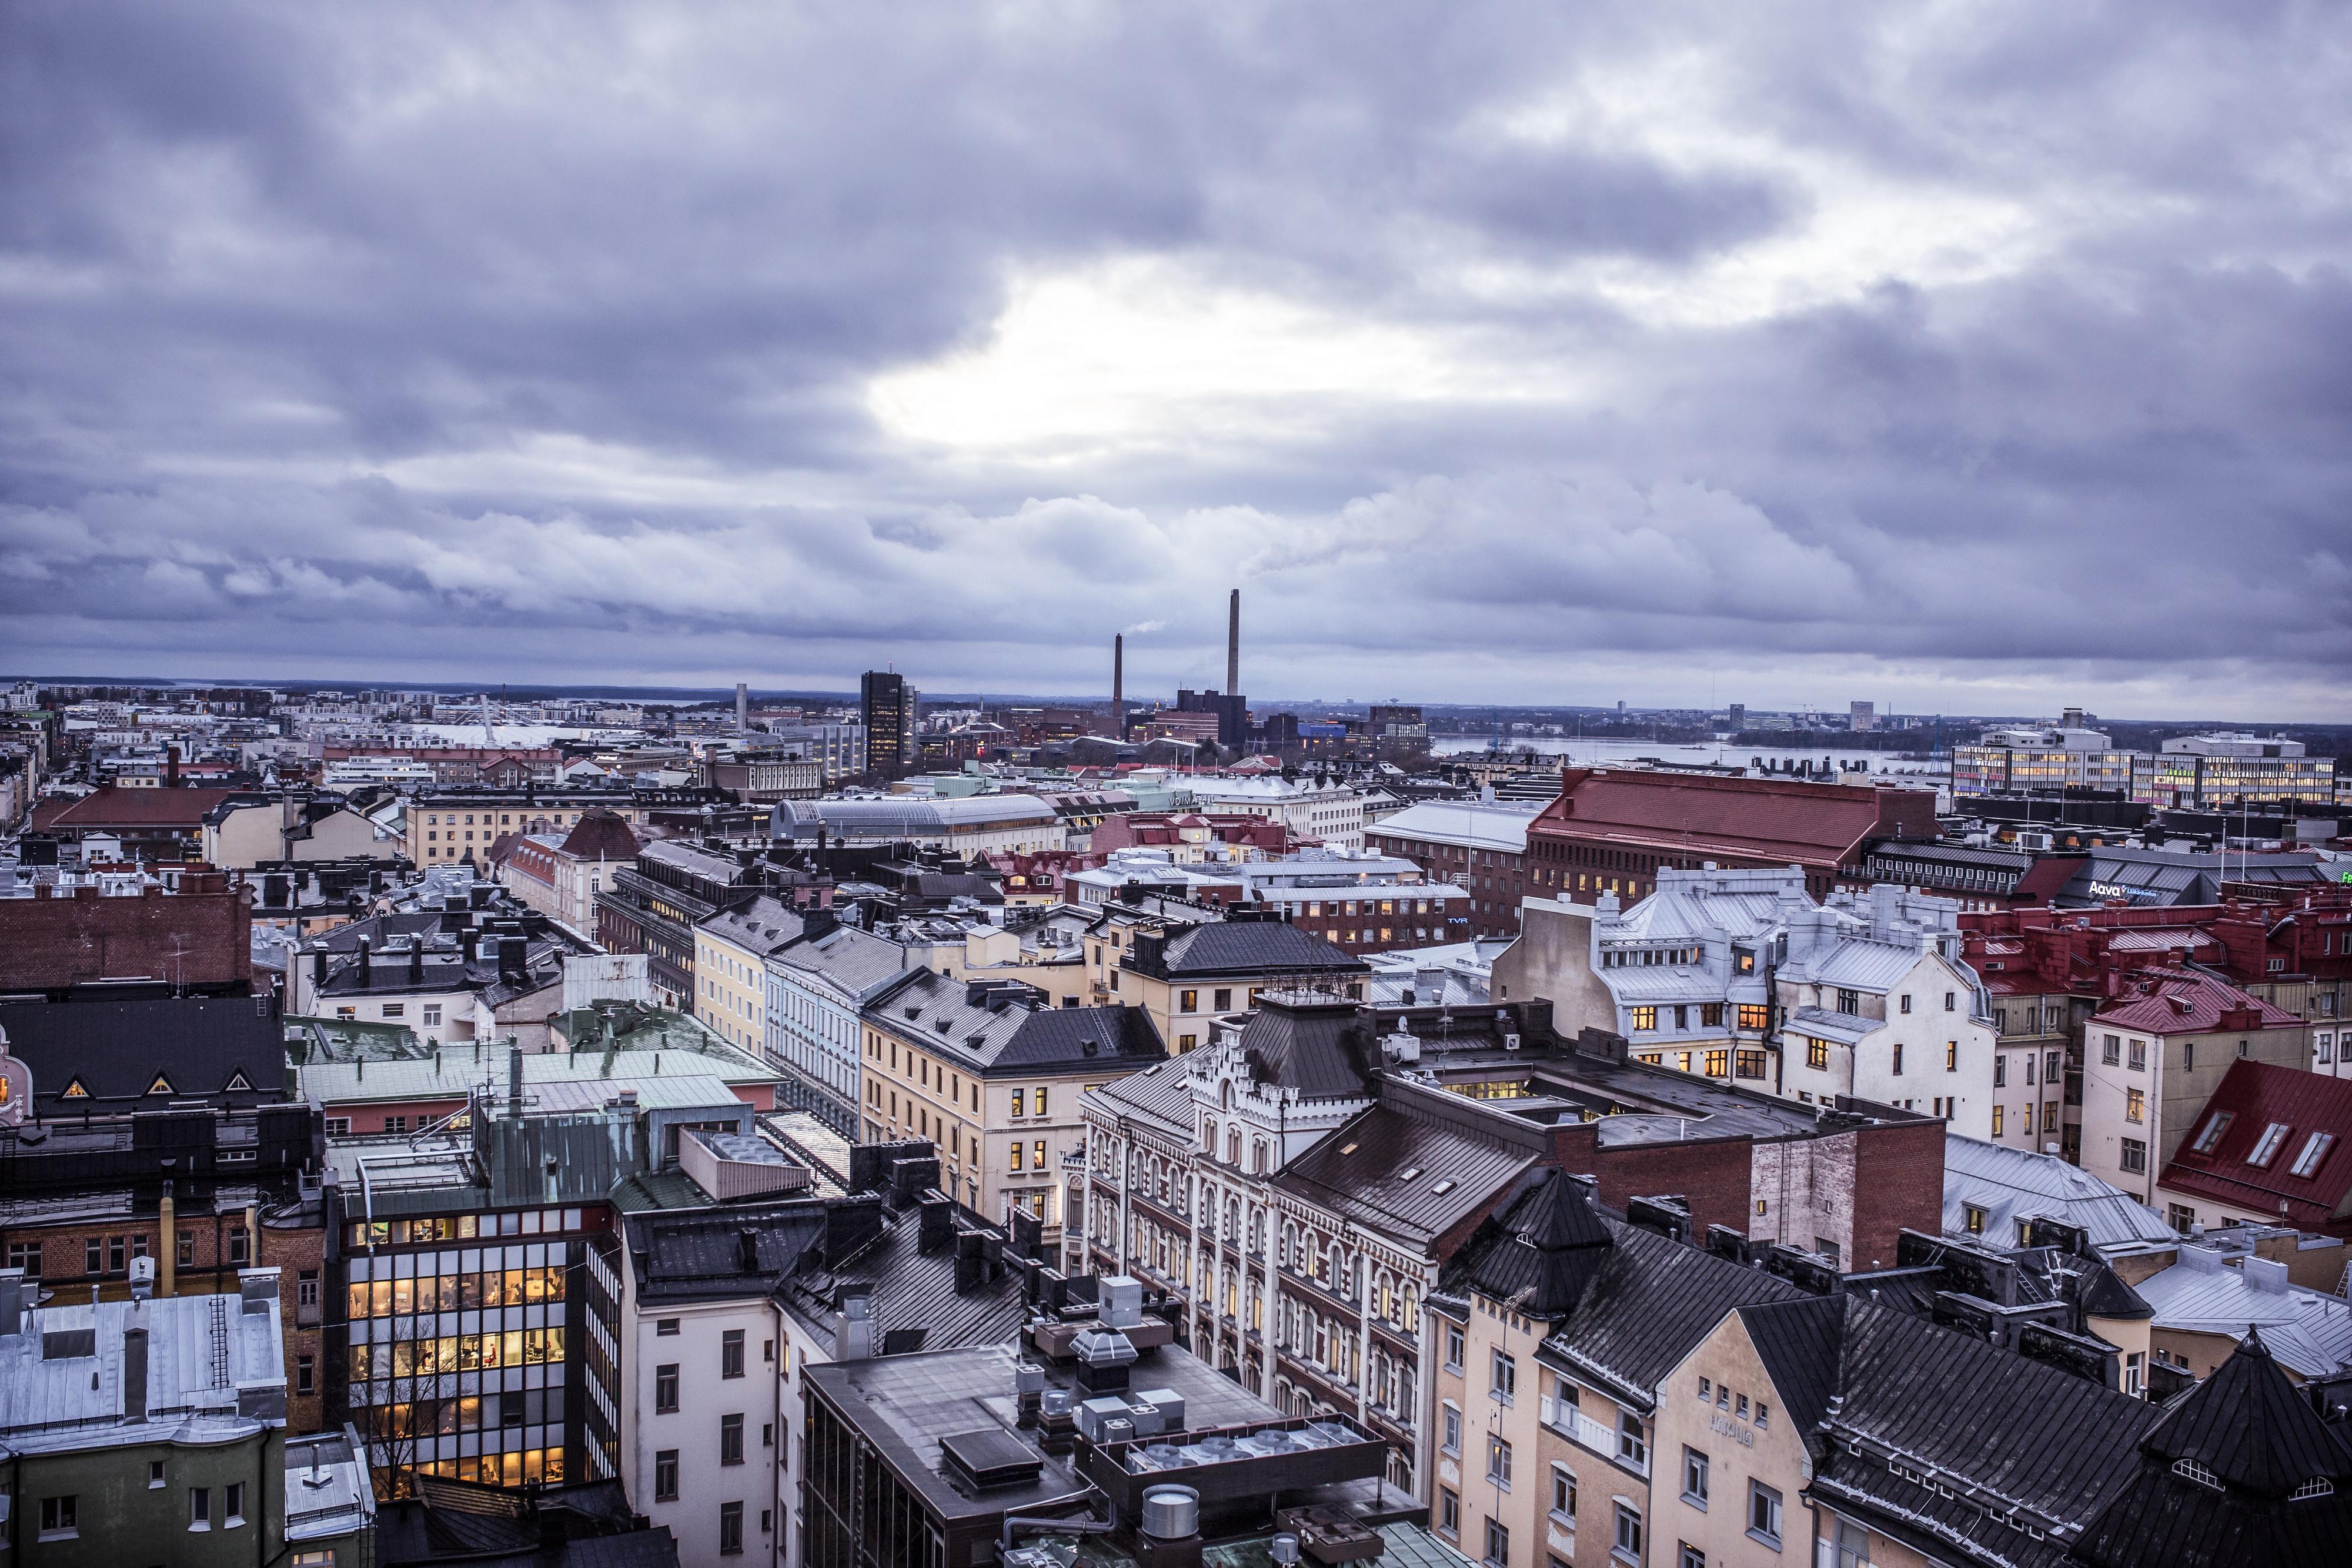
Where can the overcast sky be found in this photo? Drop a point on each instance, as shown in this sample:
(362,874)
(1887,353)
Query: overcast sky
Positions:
(1967,357)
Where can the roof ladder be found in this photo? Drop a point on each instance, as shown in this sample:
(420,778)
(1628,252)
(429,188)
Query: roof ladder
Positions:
(219,1341)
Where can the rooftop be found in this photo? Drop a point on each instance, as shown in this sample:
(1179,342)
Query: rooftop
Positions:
(2310,1334)
(2010,1184)
(2298,1126)
(213,1369)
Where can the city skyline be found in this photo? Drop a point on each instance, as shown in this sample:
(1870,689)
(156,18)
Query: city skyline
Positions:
(1984,361)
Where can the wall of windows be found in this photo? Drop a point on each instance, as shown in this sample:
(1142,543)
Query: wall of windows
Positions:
(459,1357)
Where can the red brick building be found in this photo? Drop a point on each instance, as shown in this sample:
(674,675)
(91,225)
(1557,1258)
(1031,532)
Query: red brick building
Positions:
(199,938)
(1611,830)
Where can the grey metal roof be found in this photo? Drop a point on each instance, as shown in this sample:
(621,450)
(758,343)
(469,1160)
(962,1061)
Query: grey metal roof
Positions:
(199,1349)
(1402,1176)
(761,926)
(991,1029)
(1160,1094)
(1321,1050)
(2306,1332)
(856,963)
(1476,824)
(913,1290)
(2010,1185)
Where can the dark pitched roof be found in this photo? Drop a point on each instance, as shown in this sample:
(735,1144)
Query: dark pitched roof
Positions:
(586,1524)
(600,835)
(1547,1245)
(1317,1048)
(118,1052)
(1800,1343)
(1649,1304)
(2104,1294)
(1003,1027)
(699,1254)
(916,1290)
(2255,1096)
(2254,1441)
(1116,1038)
(1404,1176)
(1252,946)
(2248,1426)
(1946,1441)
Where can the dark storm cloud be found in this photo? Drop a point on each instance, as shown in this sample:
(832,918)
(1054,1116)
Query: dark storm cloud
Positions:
(1989,353)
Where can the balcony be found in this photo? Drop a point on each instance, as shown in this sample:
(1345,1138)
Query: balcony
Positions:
(1584,1431)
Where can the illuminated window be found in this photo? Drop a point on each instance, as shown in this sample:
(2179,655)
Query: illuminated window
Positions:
(1645,1019)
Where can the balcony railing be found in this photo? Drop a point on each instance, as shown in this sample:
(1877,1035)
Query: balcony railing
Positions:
(1574,1424)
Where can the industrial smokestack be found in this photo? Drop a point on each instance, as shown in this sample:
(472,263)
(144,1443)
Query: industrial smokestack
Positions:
(742,709)
(1118,687)
(1234,645)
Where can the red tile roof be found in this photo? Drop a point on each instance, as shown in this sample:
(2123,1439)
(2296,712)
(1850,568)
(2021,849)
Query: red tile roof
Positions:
(1769,819)
(2258,1095)
(2178,1001)
(112,807)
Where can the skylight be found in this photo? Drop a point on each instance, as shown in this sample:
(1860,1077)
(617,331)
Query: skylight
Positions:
(2215,1126)
(2267,1149)
(2315,1149)
(1408,1173)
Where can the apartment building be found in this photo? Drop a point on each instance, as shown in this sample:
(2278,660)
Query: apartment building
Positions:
(731,967)
(1738,974)
(155,1428)
(2154,1055)
(993,1073)
(447,826)
(1315,1167)
(1332,814)
(561,873)
(818,989)
(1479,845)
(1185,976)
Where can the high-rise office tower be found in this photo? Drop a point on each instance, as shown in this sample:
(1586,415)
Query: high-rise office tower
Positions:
(886,703)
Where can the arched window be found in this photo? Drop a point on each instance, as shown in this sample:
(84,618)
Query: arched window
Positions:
(1234,1147)
(1209,1136)
(1225,1094)
(1257,1156)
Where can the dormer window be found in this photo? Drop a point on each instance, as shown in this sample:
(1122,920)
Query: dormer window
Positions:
(2189,1469)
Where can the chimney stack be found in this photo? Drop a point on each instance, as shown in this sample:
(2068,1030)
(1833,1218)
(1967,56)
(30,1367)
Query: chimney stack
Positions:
(1234,644)
(171,768)
(1118,687)
(134,1375)
(742,709)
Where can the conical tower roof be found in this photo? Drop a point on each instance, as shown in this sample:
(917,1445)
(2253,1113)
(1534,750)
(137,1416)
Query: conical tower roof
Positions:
(1551,1245)
(2249,1428)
